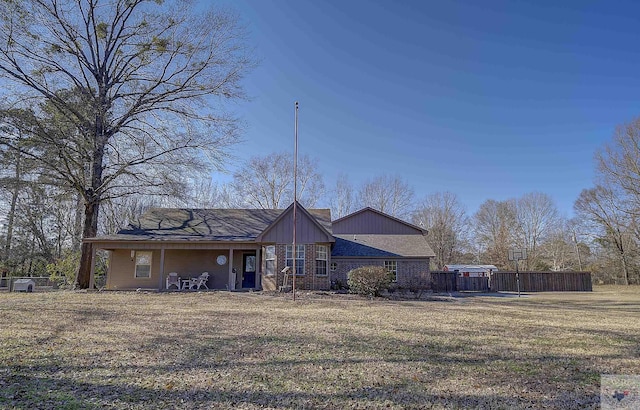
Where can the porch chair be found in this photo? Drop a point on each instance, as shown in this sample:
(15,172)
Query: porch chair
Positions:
(173,279)
(200,281)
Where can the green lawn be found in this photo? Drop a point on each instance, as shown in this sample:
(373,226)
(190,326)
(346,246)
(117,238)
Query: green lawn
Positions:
(221,350)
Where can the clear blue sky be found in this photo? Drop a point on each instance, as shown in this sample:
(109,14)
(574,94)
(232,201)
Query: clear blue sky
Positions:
(489,100)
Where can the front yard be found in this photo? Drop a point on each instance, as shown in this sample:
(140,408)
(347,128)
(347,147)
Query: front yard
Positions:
(242,350)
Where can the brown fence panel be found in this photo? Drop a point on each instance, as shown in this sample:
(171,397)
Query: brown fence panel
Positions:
(473,284)
(542,281)
(442,281)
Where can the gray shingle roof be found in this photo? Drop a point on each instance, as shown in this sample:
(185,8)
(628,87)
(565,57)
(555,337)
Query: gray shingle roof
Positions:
(207,224)
(381,246)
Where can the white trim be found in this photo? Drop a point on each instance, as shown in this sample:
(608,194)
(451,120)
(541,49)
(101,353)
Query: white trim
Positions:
(325,260)
(392,267)
(135,264)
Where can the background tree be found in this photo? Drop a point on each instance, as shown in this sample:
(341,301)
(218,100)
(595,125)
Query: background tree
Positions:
(495,224)
(139,83)
(389,194)
(267,181)
(536,217)
(445,218)
(619,165)
(611,225)
(342,198)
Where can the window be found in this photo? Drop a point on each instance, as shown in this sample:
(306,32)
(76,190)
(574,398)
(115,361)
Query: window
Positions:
(143,264)
(334,266)
(321,260)
(270,258)
(299,258)
(392,268)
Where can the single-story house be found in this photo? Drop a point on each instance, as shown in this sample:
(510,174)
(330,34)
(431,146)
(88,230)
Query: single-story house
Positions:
(250,248)
(472,271)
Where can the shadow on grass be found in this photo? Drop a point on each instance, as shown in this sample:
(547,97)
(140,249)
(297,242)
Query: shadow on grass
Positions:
(210,363)
(27,391)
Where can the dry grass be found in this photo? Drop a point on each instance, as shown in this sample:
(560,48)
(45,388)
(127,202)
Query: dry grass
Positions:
(222,350)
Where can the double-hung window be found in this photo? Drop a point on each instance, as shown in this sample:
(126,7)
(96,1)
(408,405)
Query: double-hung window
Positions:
(321,260)
(270,260)
(143,264)
(299,258)
(392,268)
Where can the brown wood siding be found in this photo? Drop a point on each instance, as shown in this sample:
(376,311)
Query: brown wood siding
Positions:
(369,222)
(306,230)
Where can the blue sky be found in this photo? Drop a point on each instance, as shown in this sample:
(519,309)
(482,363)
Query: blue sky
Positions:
(489,100)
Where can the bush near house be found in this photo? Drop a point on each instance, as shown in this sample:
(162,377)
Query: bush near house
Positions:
(368,280)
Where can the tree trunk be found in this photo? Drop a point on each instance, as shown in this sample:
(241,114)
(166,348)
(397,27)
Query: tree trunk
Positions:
(90,231)
(12,209)
(92,196)
(625,268)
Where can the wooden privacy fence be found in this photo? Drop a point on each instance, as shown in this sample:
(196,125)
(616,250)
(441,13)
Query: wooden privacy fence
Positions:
(446,281)
(542,281)
(442,281)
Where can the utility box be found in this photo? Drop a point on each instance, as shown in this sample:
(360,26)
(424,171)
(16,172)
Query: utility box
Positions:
(24,285)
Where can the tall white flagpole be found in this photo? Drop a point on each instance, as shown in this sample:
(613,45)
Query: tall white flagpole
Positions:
(295,199)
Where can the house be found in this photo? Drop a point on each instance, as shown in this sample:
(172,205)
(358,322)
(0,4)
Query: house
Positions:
(472,271)
(370,237)
(249,248)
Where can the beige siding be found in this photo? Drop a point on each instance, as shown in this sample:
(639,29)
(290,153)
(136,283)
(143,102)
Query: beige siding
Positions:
(370,222)
(190,264)
(187,263)
(122,270)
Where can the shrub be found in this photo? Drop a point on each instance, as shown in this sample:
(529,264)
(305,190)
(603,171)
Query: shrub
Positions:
(63,270)
(368,280)
(339,285)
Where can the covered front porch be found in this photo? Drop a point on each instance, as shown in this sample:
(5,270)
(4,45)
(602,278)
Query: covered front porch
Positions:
(146,265)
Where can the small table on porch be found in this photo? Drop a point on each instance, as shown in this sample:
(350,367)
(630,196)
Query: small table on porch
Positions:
(186,284)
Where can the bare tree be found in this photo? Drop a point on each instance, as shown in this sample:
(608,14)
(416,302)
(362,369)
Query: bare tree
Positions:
(495,224)
(342,198)
(619,164)
(140,83)
(388,194)
(206,193)
(536,216)
(564,247)
(611,225)
(267,181)
(444,216)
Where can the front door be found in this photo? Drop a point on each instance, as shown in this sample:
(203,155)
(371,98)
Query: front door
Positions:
(249,270)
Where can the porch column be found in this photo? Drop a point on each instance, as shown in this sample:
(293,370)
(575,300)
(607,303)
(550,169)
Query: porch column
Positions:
(92,272)
(258,283)
(232,276)
(161,268)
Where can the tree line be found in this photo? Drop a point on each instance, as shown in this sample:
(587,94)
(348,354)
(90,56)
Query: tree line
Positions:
(111,108)
(43,223)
